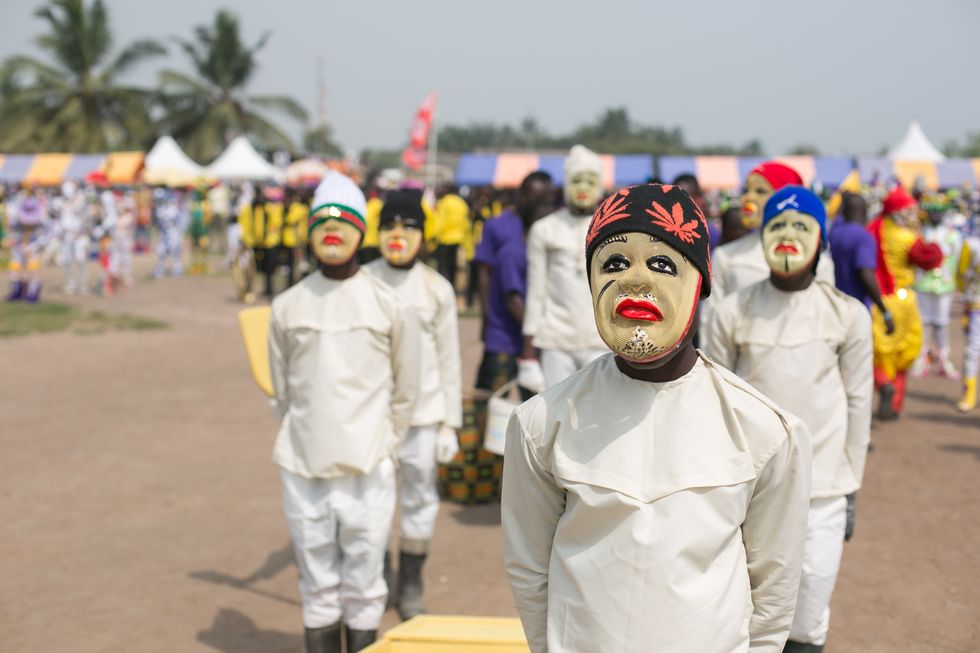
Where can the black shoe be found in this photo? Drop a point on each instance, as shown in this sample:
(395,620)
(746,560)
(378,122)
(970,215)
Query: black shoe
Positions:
(410,585)
(323,640)
(885,409)
(359,639)
(796,647)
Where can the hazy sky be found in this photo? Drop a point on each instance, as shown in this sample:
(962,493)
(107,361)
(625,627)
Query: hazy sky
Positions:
(845,75)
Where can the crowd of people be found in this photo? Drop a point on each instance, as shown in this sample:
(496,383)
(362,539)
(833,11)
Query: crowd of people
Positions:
(699,377)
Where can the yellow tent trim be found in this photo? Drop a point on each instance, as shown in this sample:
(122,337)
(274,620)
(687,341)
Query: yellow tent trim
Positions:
(909,171)
(122,167)
(47,169)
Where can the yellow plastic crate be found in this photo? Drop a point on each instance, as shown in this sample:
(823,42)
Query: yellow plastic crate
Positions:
(440,634)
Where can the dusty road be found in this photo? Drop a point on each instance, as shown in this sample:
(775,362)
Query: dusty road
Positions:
(141,512)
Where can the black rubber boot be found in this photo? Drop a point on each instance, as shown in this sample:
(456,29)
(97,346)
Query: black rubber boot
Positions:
(389,581)
(410,585)
(359,639)
(796,647)
(886,411)
(323,640)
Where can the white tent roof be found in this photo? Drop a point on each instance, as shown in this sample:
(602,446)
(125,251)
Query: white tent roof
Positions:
(241,161)
(915,147)
(167,164)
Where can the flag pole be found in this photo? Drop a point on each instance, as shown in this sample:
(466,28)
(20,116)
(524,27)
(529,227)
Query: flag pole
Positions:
(433,152)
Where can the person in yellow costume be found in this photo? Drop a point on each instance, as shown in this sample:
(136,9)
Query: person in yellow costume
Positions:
(450,230)
(969,283)
(370,250)
(261,226)
(294,231)
(900,251)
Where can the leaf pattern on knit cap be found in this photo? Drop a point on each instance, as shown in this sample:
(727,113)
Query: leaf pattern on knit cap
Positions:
(612,209)
(673,222)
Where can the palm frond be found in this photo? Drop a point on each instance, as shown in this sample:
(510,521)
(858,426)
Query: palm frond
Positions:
(280,103)
(136,52)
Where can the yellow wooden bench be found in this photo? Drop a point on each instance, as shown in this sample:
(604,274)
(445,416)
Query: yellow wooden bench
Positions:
(440,634)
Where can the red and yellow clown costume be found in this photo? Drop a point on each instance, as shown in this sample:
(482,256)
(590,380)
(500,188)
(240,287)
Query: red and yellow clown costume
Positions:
(900,251)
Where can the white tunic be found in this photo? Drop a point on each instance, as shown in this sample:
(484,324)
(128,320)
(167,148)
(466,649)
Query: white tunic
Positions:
(434,301)
(558,311)
(344,357)
(665,517)
(810,351)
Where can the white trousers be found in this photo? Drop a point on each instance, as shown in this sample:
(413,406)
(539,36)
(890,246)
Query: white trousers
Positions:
(934,309)
(74,256)
(971,351)
(557,364)
(419,497)
(340,532)
(821,562)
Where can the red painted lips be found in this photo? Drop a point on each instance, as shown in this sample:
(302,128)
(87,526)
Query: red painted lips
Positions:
(332,239)
(639,309)
(785,248)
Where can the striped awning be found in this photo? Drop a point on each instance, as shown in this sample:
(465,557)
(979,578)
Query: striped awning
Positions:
(729,172)
(508,170)
(50,169)
(945,174)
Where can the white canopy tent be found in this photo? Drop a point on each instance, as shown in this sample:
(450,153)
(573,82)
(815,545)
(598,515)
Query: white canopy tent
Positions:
(168,165)
(914,146)
(241,161)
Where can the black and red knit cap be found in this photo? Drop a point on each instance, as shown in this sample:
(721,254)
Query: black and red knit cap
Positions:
(666,212)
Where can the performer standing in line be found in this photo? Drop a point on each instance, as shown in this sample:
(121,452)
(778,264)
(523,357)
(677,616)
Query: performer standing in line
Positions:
(807,346)
(344,357)
(439,411)
(900,252)
(969,283)
(28,234)
(556,318)
(653,501)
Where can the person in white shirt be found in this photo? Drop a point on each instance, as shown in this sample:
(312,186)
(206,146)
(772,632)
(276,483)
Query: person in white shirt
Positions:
(557,320)
(808,346)
(741,262)
(73,232)
(653,501)
(439,411)
(344,357)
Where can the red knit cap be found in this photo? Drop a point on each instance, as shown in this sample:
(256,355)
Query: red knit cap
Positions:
(778,174)
(897,200)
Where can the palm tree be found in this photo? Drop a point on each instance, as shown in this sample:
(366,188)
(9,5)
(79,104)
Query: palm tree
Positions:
(74,103)
(205,113)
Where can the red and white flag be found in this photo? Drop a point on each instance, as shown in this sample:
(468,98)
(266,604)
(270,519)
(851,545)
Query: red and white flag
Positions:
(414,156)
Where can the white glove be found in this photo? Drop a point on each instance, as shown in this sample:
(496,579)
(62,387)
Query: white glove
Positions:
(447,445)
(530,375)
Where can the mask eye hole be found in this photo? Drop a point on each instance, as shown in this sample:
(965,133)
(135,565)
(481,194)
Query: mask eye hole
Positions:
(616,263)
(800,225)
(663,264)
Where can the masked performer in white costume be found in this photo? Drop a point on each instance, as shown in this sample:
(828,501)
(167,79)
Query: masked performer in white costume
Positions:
(439,411)
(557,317)
(344,358)
(807,346)
(653,501)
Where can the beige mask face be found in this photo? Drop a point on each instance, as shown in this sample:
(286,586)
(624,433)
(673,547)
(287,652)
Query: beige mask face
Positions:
(334,242)
(757,193)
(790,242)
(399,243)
(583,191)
(644,295)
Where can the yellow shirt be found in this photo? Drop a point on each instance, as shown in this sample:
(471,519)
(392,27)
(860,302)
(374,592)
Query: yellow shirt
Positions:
(261,225)
(294,228)
(896,242)
(371,219)
(452,220)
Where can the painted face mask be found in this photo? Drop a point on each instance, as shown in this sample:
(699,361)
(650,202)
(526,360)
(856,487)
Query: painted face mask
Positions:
(644,295)
(583,190)
(757,193)
(334,242)
(790,242)
(400,242)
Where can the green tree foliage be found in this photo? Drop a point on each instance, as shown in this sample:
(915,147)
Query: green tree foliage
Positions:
(206,112)
(612,131)
(319,140)
(969,148)
(73,103)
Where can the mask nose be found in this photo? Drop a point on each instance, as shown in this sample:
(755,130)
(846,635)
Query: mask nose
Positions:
(635,282)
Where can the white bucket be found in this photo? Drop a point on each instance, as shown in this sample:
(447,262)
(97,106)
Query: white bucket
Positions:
(499,409)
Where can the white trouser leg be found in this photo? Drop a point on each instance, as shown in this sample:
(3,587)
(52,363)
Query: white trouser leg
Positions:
(340,530)
(419,498)
(821,562)
(971,353)
(557,365)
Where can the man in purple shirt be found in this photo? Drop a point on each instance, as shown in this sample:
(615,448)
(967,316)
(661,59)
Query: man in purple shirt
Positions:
(855,255)
(502,257)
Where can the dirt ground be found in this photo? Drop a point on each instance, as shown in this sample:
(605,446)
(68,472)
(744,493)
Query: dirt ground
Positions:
(141,509)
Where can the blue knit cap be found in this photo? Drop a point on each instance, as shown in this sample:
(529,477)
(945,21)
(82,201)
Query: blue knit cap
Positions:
(797,198)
